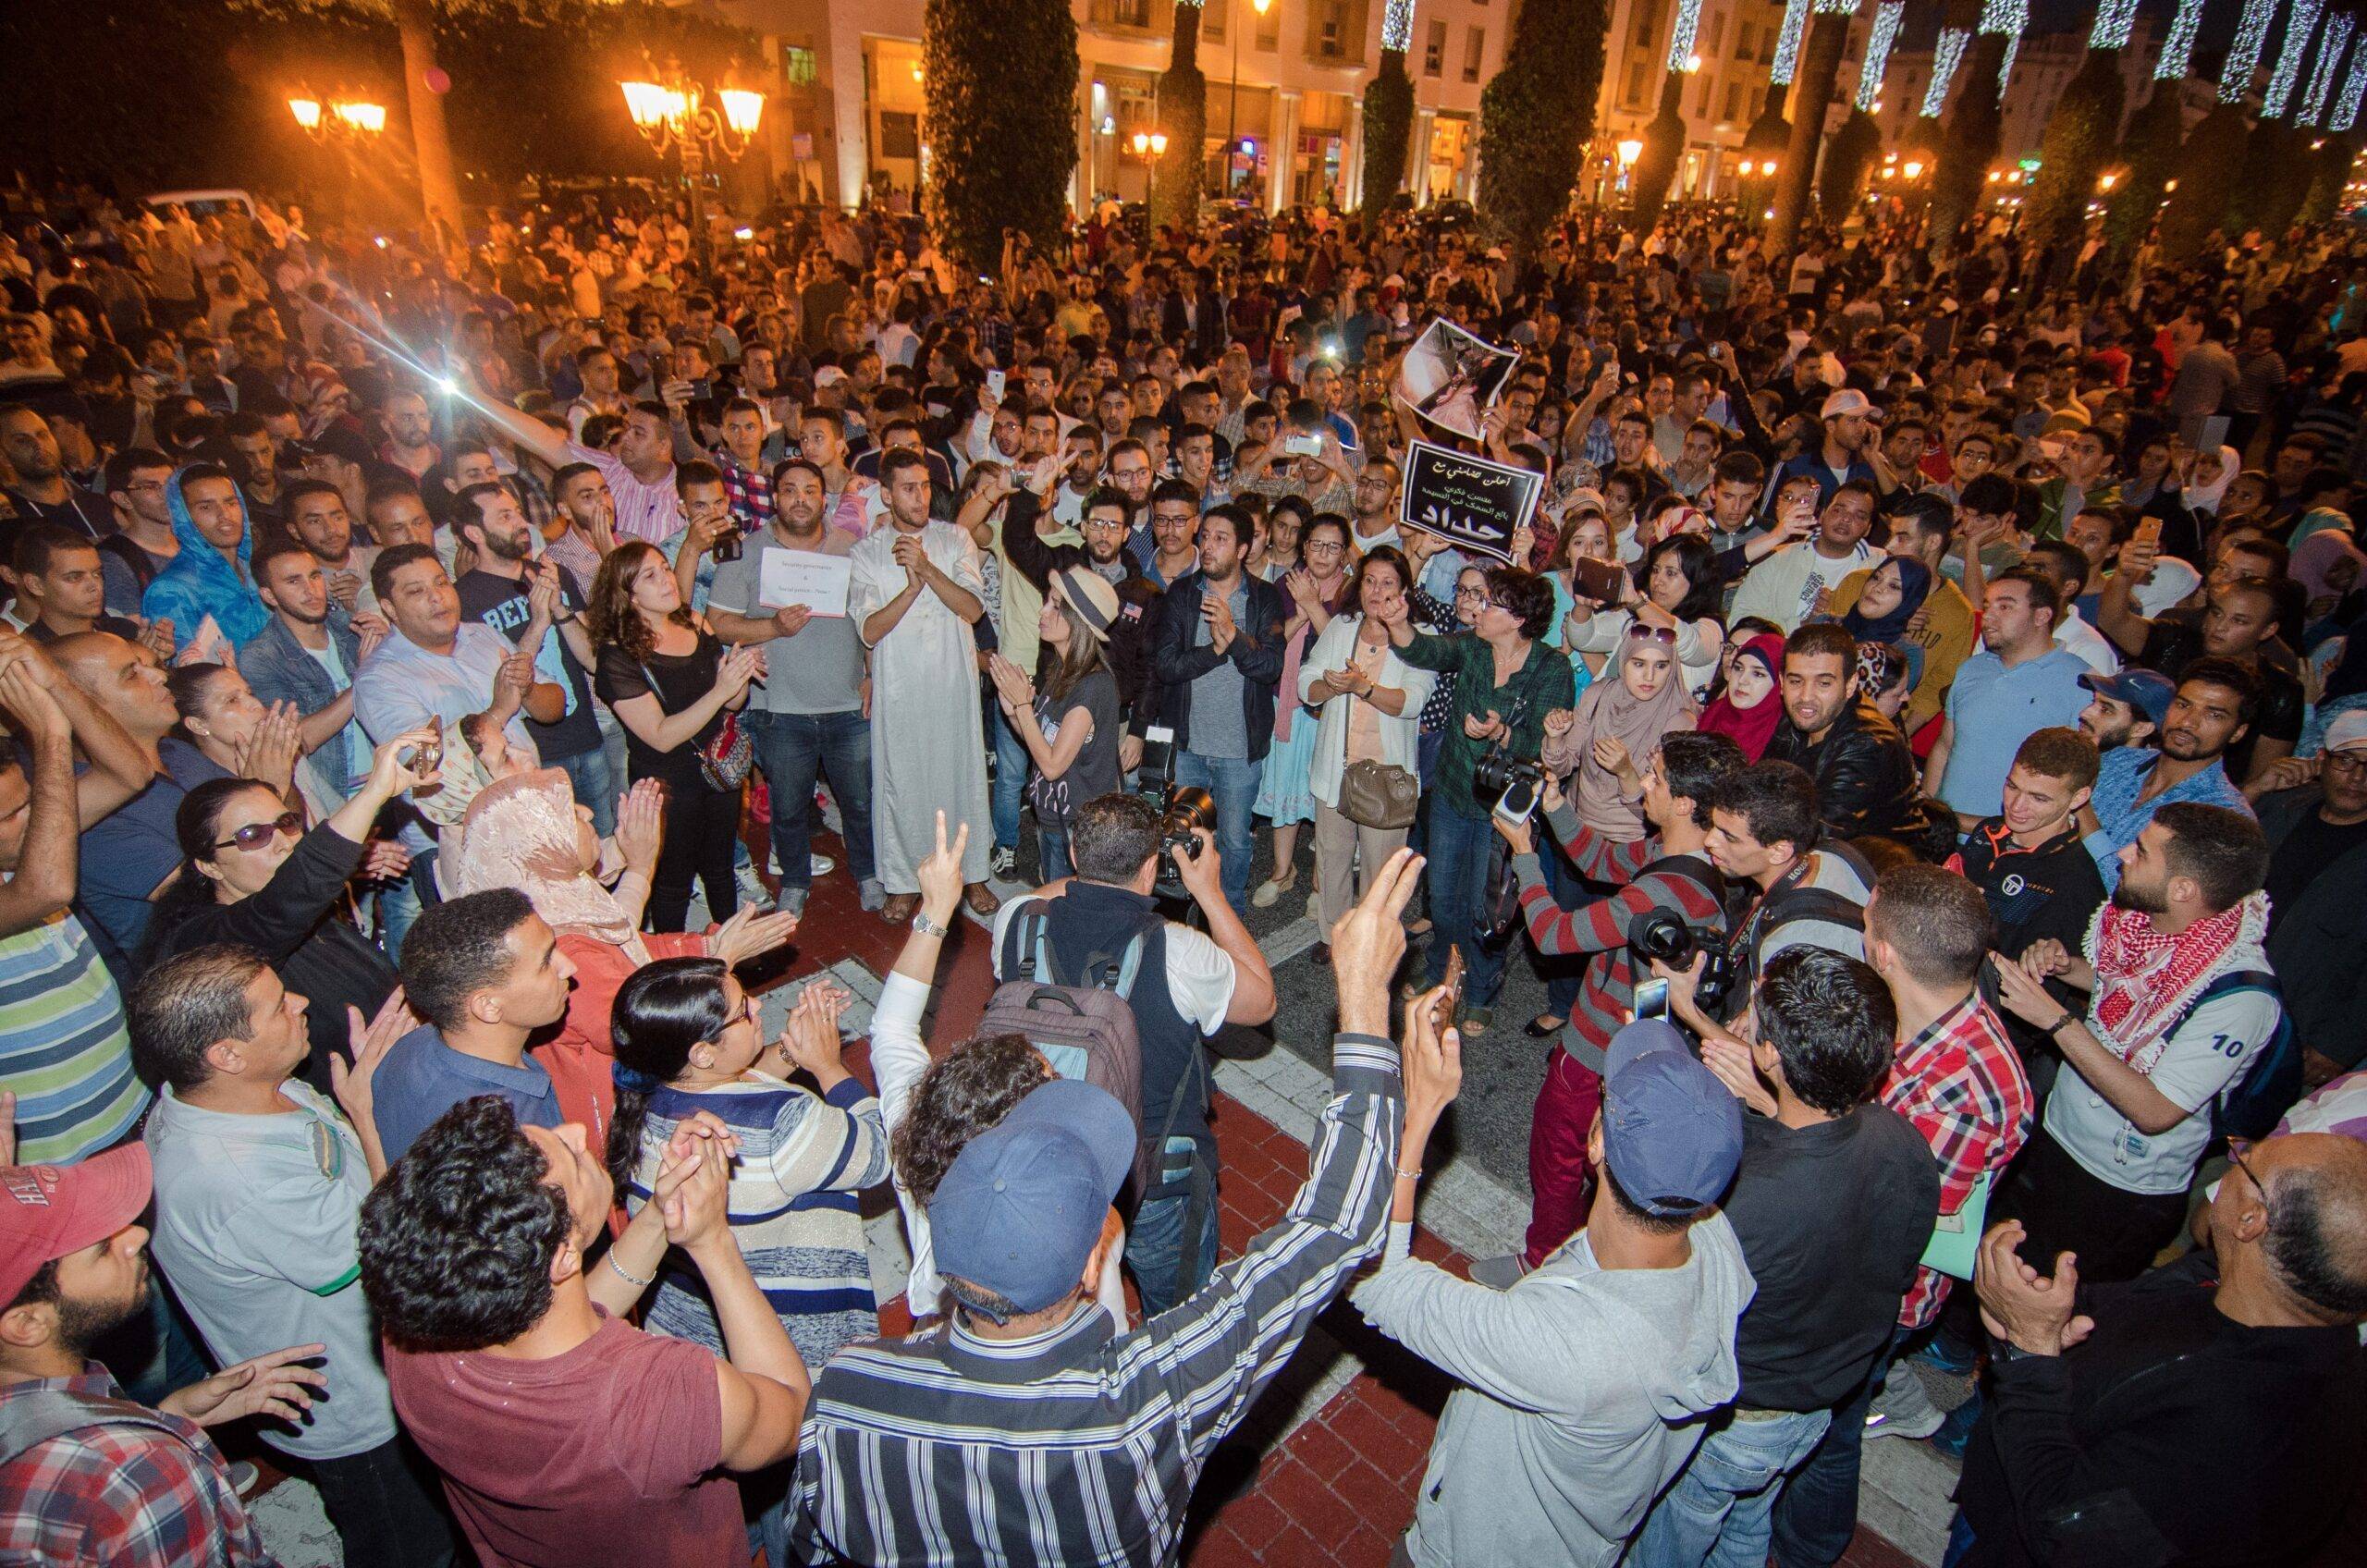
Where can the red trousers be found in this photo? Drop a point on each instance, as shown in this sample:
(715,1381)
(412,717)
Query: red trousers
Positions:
(1560,1177)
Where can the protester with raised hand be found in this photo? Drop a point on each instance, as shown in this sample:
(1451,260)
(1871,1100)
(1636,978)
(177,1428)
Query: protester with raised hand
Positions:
(250,876)
(1023,1229)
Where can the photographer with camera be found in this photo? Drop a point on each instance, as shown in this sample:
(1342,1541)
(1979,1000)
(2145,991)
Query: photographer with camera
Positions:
(1506,682)
(1189,984)
(1811,891)
(1663,888)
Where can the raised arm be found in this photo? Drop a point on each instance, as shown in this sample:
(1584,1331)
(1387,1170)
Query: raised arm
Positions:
(1232,1336)
(44,883)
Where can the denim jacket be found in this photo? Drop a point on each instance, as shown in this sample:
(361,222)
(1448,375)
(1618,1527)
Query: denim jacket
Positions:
(280,670)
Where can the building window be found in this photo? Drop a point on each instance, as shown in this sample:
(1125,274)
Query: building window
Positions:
(1331,27)
(1746,42)
(1734,101)
(1269,30)
(1710,36)
(1701,103)
(1213,18)
(1474,47)
(1637,69)
(1121,13)
(1434,51)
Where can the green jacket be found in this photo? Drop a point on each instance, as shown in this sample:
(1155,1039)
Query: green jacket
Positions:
(1543,683)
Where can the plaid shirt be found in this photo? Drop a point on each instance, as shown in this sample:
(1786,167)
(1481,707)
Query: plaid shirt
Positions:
(124,1497)
(751,497)
(1961,1083)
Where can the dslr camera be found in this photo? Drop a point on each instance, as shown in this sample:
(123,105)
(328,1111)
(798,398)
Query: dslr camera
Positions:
(1664,935)
(1190,811)
(1512,782)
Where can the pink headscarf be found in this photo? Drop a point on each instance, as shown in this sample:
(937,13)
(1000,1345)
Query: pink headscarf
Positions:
(523,832)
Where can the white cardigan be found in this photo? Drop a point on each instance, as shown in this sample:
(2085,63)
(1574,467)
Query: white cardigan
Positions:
(1333,651)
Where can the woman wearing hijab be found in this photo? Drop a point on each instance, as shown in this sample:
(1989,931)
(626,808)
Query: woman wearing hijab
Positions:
(1889,600)
(1751,707)
(1645,701)
(527,832)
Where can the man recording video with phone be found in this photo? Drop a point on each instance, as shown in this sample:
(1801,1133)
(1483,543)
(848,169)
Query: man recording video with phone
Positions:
(1188,985)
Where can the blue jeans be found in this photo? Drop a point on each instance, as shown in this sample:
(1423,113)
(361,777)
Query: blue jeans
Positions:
(1233,781)
(1052,860)
(1562,975)
(1960,1540)
(1817,1517)
(1154,1244)
(1457,874)
(792,748)
(1720,1508)
(1012,763)
(595,787)
(399,903)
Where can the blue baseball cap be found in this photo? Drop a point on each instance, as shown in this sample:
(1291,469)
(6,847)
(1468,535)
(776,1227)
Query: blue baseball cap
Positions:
(1021,1207)
(1671,1132)
(2147,690)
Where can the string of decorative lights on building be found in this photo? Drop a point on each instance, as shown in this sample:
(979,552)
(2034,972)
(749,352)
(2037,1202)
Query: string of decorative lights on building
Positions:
(2299,23)
(1947,54)
(2178,43)
(2339,27)
(1682,34)
(1879,35)
(2115,19)
(2008,16)
(1397,25)
(2354,89)
(2243,52)
(1787,42)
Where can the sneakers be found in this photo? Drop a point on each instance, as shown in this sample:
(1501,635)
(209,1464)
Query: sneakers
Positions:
(1003,865)
(821,865)
(1943,1355)
(1956,1433)
(791,900)
(245,1479)
(752,886)
(1500,1273)
(872,894)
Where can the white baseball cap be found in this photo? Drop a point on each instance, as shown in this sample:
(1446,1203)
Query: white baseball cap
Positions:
(1849,401)
(2348,733)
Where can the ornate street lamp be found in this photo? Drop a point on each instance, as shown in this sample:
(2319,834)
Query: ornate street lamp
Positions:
(682,116)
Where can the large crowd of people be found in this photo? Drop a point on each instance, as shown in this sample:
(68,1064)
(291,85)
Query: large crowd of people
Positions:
(433,661)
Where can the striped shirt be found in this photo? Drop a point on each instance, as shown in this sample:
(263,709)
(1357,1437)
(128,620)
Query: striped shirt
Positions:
(64,1049)
(1599,925)
(653,512)
(792,1205)
(1082,1445)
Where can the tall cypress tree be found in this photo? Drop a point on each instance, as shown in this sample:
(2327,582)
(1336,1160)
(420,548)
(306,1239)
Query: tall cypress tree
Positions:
(1537,117)
(1389,133)
(1002,94)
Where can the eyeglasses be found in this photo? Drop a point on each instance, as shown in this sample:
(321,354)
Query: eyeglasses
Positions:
(1651,633)
(2349,762)
(255,835)
(2236,1147)
(1463,593)
(1324,547)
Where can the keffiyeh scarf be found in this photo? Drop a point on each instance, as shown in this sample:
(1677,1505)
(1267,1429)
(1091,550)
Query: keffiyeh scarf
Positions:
(2146,981)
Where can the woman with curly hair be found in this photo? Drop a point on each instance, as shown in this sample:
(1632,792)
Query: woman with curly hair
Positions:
(676,690)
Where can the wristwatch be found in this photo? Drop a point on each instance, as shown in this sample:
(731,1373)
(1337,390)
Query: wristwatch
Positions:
(927,927)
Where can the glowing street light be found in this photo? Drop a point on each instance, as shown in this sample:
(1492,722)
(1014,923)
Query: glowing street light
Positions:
(1629,150)
(307,111)
(357,119)
(679,115)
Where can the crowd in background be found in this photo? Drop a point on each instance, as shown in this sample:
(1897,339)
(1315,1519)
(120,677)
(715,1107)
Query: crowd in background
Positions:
(1917,737)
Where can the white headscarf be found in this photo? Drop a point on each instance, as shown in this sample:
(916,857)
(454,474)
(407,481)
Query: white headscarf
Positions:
(2205,498)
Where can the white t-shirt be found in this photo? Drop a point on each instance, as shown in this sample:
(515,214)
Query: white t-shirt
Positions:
(1200,976)
(1783,587)
(2211,1049)
(1833,874)
(2091,646)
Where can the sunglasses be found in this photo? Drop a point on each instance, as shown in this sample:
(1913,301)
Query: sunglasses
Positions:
(1651,633)
(255,835)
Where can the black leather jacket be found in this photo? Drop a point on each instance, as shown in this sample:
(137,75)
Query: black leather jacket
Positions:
(1866,780)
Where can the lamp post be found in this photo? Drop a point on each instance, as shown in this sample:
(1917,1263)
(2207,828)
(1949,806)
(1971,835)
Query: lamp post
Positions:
(680,115)
(1629,150)
(353,119)
(1232,99)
